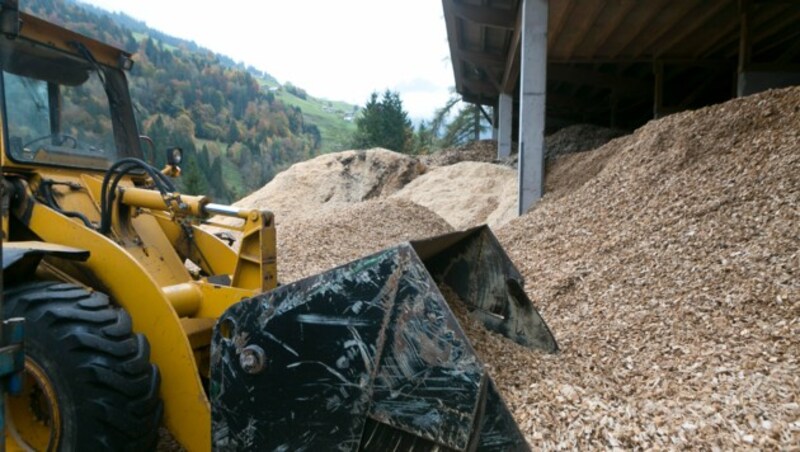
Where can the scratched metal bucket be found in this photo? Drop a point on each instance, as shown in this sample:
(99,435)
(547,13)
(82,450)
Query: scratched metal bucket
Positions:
(368,356)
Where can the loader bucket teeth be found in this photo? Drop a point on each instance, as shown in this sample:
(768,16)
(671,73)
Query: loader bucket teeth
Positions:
(369,356)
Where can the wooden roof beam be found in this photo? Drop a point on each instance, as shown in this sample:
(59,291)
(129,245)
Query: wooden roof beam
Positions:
(676,15)
(601,39)
(559,19)
(640,27)
(791,53)
(480,87)
(483,15)
(481,58)
(585,21)
(698,22)
(453,41)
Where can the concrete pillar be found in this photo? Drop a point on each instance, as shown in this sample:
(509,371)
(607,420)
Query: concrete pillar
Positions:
(533,87)
(505,116)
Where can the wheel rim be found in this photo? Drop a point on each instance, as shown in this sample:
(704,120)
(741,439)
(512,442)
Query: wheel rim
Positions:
(34,419)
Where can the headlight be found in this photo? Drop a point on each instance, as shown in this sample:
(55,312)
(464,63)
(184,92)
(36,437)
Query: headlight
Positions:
(174,156)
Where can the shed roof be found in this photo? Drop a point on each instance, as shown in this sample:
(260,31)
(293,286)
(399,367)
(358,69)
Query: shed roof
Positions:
(601,52)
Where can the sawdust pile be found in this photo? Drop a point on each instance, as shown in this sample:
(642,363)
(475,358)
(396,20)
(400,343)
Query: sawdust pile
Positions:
(466,194)
(334,179)
(670,280)
(476,151)
(316,242)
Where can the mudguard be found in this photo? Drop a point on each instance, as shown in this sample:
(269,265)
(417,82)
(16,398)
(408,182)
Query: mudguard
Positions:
(369,356)
(20,259)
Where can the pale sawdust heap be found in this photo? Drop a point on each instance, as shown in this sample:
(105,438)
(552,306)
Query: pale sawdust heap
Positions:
(466,194)
(670,280)
(332,180)
(316,242)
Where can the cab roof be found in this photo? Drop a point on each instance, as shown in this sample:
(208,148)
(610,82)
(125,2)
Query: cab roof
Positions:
(48,33)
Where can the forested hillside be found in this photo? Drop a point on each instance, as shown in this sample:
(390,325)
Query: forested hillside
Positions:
(236,133)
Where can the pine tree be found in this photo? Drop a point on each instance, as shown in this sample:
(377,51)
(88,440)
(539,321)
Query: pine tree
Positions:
(384,124)
(194,182)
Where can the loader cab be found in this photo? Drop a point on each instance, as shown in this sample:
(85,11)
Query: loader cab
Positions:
(65,100)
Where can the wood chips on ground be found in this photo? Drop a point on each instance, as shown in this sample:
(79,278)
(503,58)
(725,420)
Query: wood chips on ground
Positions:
(466,194)
(670,280)
(476,151)
(665,262)
(320,241)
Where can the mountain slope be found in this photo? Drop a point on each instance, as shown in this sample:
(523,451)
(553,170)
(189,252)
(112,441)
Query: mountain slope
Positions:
(221,113)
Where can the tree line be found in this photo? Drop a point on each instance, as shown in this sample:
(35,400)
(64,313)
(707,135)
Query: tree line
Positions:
(384,123)
(190,97)
(236,135)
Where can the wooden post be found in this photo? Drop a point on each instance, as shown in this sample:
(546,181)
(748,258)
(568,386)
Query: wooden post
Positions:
(658,90)
(614,100)
(745,45)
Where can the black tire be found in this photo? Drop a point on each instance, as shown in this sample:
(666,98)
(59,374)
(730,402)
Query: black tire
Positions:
(105,386)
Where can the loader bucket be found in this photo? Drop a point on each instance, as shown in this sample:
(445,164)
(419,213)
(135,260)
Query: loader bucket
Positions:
(368,356)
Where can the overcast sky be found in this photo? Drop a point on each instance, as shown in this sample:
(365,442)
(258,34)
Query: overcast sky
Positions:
(336,49)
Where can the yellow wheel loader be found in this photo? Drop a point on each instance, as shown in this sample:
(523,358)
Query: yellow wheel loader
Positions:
(121,339)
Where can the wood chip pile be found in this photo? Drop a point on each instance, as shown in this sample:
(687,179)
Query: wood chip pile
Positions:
(578,138)
(319,241)
(466,194)
(670,280)
(476,151)
(334,179)
(667,264)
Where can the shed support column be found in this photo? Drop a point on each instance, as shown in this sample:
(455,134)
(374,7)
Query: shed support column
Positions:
(745,46)
(494,123)
(658,89)
(533,87)
(506,113)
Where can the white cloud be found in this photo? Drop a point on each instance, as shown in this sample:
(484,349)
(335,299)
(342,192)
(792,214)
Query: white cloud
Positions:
(341,50)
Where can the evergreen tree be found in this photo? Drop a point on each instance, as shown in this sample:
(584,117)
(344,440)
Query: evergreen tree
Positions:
(193,180)
(442,132)
(384,124)
(463,129)
(424,139)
